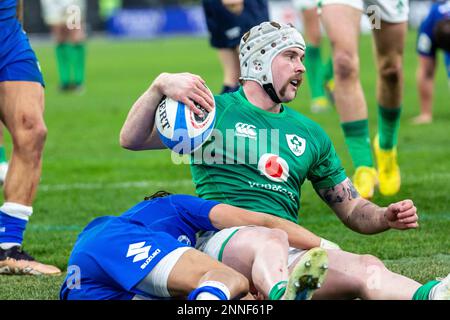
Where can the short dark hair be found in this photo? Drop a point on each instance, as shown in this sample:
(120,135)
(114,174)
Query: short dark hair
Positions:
(441,33)
(158,194)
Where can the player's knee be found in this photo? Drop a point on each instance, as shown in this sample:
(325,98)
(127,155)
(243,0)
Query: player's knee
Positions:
(345,65)
(278,235)
(30,135)
(266,236)
(391,71)
(371,263)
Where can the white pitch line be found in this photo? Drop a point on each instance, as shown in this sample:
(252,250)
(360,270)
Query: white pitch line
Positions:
(435,176)
(116,185)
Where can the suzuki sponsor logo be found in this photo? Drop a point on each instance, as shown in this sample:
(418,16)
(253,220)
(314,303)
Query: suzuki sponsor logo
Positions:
(273,167)
(296,144)
(138,251)
(245,130)
(149,259)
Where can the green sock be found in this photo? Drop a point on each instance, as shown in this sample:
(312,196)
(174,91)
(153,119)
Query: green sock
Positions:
(388,125)
(357,138)
(78,60)
(2,154)
(328,70)
(63,60)
(277,290)
(313,64)
(423,293)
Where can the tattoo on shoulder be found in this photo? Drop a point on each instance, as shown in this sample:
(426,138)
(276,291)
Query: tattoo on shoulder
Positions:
(344,191)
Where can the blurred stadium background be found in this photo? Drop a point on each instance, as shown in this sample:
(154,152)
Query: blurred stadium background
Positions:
(86,173)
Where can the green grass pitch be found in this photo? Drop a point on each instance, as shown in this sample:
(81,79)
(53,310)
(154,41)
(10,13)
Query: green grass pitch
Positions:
(87,174)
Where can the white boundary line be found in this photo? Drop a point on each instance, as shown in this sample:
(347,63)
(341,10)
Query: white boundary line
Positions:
(116,185)
(188,182)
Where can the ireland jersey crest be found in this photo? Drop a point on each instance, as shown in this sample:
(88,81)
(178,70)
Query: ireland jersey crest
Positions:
(296,144)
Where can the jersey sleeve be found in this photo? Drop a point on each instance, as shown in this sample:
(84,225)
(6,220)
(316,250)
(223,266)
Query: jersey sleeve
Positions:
(195,211)
(425,38)
(327,171)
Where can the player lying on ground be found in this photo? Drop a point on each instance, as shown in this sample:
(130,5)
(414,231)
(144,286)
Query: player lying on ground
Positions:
(147,252)
(271,71)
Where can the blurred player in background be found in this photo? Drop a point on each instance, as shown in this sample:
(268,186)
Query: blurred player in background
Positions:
(342,19)
(66,19)
(434,34)
(147,252)
(271,59)
(21,110)
(227,21)
(320,76)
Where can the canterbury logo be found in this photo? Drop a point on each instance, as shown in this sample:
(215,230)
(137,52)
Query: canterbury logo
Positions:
(139,251)
(245,130)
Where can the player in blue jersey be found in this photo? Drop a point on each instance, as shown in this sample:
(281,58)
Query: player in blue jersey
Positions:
(21,110)
(434,34)
(227,21)
(147,252)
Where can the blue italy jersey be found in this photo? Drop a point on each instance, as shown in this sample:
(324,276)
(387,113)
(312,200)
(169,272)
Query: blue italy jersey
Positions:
(426,43)
(113,254)
(7,9)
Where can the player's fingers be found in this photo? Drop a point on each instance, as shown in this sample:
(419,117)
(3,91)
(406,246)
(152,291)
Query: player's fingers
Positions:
(202,90)
(200,100)
(409,220)
(412,225)
(410,212)
(406,204)
(191,105)
(205,95)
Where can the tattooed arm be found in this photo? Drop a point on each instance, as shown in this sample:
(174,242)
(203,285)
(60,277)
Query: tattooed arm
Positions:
(365,217)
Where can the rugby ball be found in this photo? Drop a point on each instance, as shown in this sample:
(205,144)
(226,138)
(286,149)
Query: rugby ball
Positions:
(180,129)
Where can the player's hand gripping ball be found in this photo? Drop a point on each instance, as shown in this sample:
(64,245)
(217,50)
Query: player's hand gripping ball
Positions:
(180,129)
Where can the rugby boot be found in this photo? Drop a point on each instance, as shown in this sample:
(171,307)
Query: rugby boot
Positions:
(308,275)
(364,180)
(388,170)
(18,262)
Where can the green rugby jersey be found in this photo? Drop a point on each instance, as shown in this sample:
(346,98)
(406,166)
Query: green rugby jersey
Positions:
(258,160)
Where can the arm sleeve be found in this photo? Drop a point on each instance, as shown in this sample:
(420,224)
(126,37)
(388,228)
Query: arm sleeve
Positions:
(327,171)
(195,210)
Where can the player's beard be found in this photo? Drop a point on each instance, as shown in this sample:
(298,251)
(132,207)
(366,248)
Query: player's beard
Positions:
(285,87)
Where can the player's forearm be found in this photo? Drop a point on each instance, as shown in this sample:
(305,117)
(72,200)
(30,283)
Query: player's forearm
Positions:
(366,218)
(225,216)
(358,214)
(136,133)
(298,236)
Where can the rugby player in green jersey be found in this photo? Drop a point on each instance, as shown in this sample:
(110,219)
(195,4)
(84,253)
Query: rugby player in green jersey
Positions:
(264,152)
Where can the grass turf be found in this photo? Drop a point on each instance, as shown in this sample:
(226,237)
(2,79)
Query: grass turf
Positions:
(86,173)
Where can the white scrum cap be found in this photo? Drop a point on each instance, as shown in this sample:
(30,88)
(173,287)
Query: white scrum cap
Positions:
(260,45)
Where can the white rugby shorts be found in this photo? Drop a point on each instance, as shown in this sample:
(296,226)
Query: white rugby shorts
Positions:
(59,11)
(393,11)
